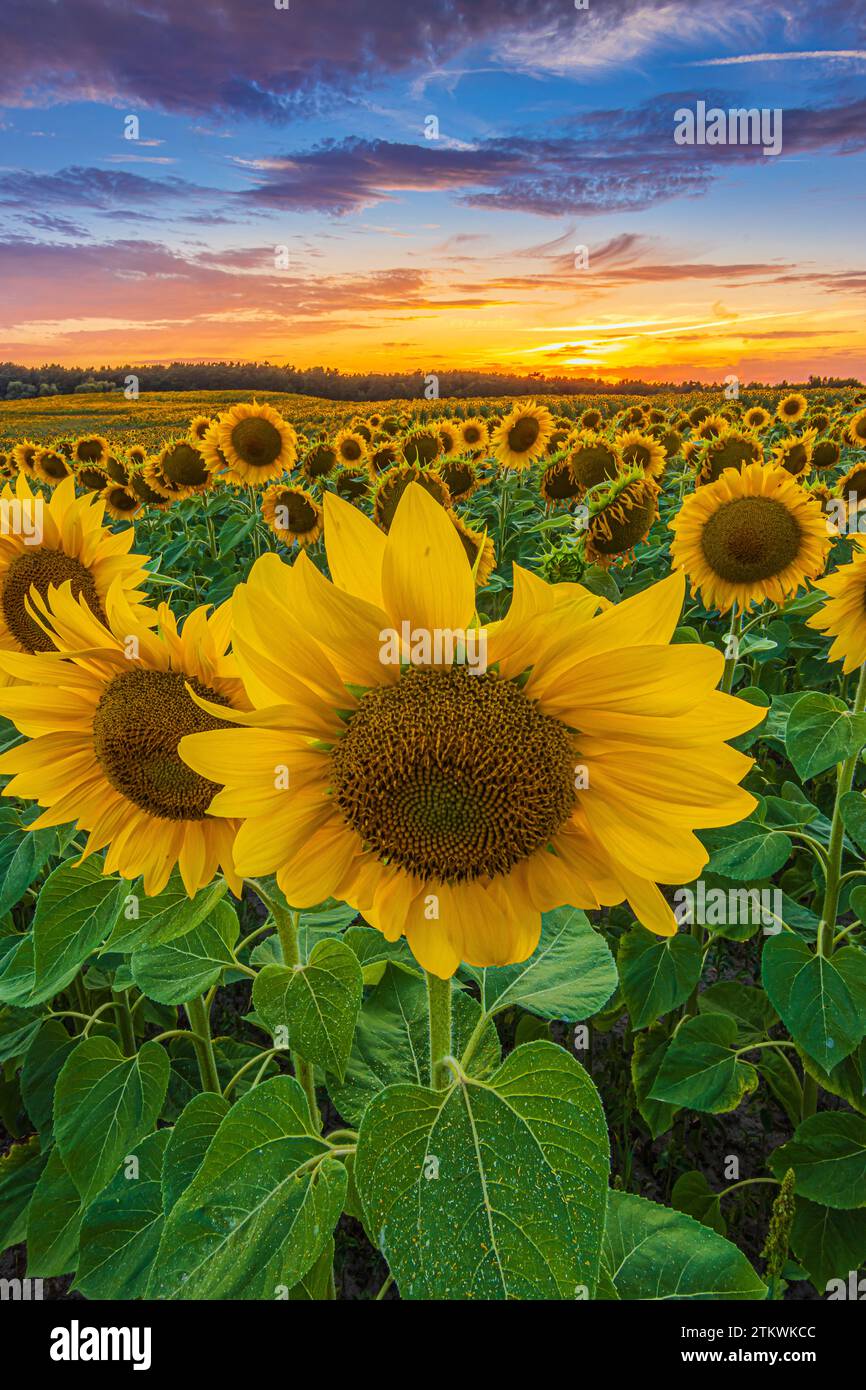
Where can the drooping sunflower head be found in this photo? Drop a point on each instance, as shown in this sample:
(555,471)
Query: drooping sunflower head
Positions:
(794,453)
(792,408)
(363,428)
(592,418)
(843,615)
(856,430)
(117,470)
(91,478)
(183,469)
(136,455)
(594,459)
(473,434)
(733,449)
(712,426)
(147,494)
(852,484)
(421,446)
(292,513)
(24,454)
(643,450)
(698,414)
(352,483)
(820,493)
(50,466)
(120,501)
(752,535)
(818,420)
(392,485)
(523,435)
(672,443)
(479,550)
(826,453)
(621,517)
(8,466)
(255,440)
(757,419)
(449,437)
(558,483)
(382,457)
(319,461)
(91,448)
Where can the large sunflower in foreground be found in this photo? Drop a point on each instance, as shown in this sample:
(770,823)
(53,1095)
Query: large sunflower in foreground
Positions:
(843,616)
(103,712)
(454,803)
(752,535)
(74,546)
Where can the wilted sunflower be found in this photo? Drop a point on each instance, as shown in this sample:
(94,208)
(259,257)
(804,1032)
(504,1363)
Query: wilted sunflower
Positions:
(460,476)
(594,459)
(856,430)
(522,436)
(558,483)
(392,485)
(120,501)
(479,550)
(641,449)
(474,434)
(24,455)
(757,418)
(843,616)
(182,469)
(255,441)
(733,449)
(50,466)
(352,483)
(792,408)
(74,547)
(750,536)
(794,453)
(454,805)
(91,448)
(319,461)
(621,517)
(292,514)
(826,453)
(103,726)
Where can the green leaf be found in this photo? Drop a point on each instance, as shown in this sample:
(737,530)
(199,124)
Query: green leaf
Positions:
(747,852)
(654,1253)
(53,1222)
(42,1066)
(821,1002)
(489,1190)
(819,734)
(261,1208)
(570,975)
(392,1041)
(17,975)
(75,911)
(152,921)
(316,1003)
(828,1242)
(186,967)
(750,1008)
(847,1080)
(853,810)
(188,1143)
(23,855)
(657,973)
(374,953)
(121,1230)
(828,1156)
(20,1168)
(104,1103)
(701,1069)
(646,1058)
(315,1285)
(693,1195)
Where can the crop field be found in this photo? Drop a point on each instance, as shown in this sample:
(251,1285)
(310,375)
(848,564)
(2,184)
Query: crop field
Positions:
(431,853)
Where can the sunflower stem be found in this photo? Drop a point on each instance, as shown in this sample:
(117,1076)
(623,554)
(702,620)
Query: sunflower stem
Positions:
(199,1018)
(439,1005)
(732,650)
(288,932)
(123,1020)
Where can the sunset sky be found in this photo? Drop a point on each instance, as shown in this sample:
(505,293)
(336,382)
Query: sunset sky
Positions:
(303,128)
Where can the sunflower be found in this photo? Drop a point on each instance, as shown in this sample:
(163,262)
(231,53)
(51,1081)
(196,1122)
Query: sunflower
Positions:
(392,485)
(117,470)
(91,478)
(121,501)
(594,460)
(558,483)
(522,436)
(712,426)
(352,483)
(292,514)
(826,453)
(733,449)
(74,547)
(757,418)
(319,461)
(621,517)
(750,536)
(479,550)
(449,438)
(103,727)
(363,429)
(672,442)
(460,476)
(421,446)
(843,615)
(792,408)
(382,457)
(856,430)
(350,448)
(254,440)
(214,458)
(8,467)
(641,449)
(91,448)
(441,801)
(24,455)
(199,426)
(591,419)
(51,467)
(794,453)
(698,415)
(852,484)
(137,455)
(182,470)
(473,433)
(139,485)
(818,420)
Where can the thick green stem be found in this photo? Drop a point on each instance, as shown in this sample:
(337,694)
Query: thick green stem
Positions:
(199,1019)
(439,1004)
(123,1019)
(287,930)
(732,650)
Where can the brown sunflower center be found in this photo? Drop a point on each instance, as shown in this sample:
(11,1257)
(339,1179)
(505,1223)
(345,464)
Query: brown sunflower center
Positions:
(257,441)
(453,776)
(184,466)
(523,435)
(294,512)
(54,465)
(39,568)
(89,450)
(139,721)
(351,450)
(750,538)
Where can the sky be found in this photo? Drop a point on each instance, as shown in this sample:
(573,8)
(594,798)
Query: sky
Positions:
(421,184)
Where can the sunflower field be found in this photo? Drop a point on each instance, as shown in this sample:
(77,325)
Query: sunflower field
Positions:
(432,847)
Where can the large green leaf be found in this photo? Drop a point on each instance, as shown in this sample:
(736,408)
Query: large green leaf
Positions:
(828,1156)
(42,1066)
(374,952)
(152,921)
(750,1008)
(75,911)
(570,975)
(53,1222)
(657,973)
(104,1103)
(316,1003)
(652,1253)
(747,852)
(819,734)
(17,973)
(121,1230)
(20,1168)
(188,966)
(261,1208)
(392,1041)
(853,808)
(821,1002)
(829,1243)
(23,855)
(489,1190)
(701,1069)
(692,1194)
(646,1058)
(188,1143)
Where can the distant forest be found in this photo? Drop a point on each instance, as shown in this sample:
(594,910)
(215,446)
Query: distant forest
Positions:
(19,383)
